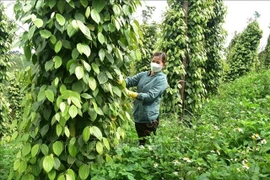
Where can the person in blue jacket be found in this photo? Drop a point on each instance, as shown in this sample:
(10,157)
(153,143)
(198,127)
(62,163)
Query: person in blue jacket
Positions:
(150,87)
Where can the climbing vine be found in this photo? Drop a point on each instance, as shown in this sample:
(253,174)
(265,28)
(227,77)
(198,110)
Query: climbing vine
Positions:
(243,55)
(73,114)
(189,37)
(6,36)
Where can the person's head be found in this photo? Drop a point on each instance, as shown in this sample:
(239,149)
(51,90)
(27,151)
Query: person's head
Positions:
(158,61)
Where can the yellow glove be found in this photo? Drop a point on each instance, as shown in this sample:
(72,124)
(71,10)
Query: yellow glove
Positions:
(132,94)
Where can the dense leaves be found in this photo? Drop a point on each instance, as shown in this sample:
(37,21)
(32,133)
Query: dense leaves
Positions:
(243,55)
(193,38)
(6,37)
(228,140)
(73,113)
(264,56)
(214,41)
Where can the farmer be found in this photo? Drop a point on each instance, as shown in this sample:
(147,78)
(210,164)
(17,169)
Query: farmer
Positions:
(150,87)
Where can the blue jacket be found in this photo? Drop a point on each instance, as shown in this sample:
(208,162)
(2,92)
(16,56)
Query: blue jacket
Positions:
(150,90)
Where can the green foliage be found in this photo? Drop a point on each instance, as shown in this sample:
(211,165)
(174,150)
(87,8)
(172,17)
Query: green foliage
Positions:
(75,110)
(7,154)
(4,114)
(229,140)
(193,42)
(6,36)
(264,56)
(214,40)
(174,44)
(243,57)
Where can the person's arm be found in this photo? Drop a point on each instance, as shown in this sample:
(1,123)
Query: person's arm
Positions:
(158,89)
(134,80)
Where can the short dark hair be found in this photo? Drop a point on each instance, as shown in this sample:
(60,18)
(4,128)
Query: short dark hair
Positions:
(162,55)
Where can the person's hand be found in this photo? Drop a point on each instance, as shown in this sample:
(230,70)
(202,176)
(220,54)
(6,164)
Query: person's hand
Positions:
(121,81)
(132,94)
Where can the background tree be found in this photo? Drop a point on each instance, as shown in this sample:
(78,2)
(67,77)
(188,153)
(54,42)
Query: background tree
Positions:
(187,40)
(214,44)
(264,56)
(74,112)
(243,55)
(174,44)
(6,36)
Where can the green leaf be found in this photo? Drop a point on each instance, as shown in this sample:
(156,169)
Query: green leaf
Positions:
(101,38)
(73,111)
(27,52)
(45,33)
(96,132)
(79,72)
(44,149)
(116,10)
(102,77)
(106,143)
(84,171)
(49,65)
(38,22)
(60,19)
(26,149)
(117,91)
(86,66)
(86,134)
(57,62)
(76,101)
(72,150)
(62,106)
(35,150)
(101,54)
(84,29)
(95,16)
(84,49)
(67,132)
(95,67)
(49,95)
(58,147)
(98,5)
(48,163)
(99,148)
(87,12)
(86,96)
(41,95)
(59,129)
(70,30)
(58,46)
(84,3)
(92,83)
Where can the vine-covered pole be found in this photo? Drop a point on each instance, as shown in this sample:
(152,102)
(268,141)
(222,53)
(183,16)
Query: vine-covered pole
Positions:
(185,63)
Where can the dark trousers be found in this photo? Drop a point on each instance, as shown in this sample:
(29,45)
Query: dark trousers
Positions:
(145,129)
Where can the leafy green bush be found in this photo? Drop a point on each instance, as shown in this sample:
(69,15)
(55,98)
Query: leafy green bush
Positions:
(229,139)
(7,154)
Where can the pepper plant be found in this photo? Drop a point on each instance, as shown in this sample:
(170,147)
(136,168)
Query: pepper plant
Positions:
(264,56)
(243,55)
(189,37)
(6,36)
(74,111)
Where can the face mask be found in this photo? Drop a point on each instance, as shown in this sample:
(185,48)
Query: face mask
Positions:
(155,67)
